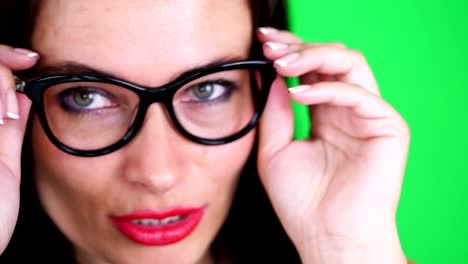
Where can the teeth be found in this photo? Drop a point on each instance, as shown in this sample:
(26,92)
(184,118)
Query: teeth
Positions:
(156,222)
(149,222)
(170,220)
(146,222)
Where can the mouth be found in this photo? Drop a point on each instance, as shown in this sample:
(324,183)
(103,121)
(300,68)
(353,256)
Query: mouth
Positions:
(152,222)
(152,228)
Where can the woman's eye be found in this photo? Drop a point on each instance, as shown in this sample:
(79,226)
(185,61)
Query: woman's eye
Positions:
(210,91)
(85,99)
(204,92)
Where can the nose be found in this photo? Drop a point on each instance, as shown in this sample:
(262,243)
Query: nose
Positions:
(153,157)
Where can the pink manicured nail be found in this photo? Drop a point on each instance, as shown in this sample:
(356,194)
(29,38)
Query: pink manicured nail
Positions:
(283,62)
(298,89)
(277,45)
(30,54)
(267,30)
(12,115)
(11,105)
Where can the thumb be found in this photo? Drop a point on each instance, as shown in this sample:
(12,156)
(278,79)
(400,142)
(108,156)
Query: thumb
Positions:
(12,133)
(276,126)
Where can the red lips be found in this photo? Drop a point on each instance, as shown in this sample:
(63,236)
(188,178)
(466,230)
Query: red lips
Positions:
(159,228)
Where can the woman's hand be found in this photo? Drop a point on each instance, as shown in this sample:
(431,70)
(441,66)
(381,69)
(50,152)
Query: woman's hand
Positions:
(14,110)
(337,193)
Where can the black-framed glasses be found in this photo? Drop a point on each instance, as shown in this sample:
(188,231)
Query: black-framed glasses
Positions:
(92,115)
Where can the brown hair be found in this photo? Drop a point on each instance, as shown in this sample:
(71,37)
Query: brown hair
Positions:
(17,18)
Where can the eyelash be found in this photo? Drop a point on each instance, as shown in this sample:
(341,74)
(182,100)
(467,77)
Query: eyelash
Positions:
(228,85)
(62,96)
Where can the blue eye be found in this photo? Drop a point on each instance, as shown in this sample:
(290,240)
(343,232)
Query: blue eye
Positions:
(205,92)
(209,91)
(82,99)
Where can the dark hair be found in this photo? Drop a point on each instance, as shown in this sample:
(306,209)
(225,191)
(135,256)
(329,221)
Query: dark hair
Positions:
(252,232)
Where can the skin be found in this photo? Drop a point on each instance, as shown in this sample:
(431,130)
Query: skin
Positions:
(347,177)
(336,194)
(159,169)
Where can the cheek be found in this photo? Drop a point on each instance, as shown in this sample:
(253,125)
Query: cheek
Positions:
(222,168)
(224,163)
(216,182)
(62,180)
(73,189)
(51,165)
(47,157)
(213,170)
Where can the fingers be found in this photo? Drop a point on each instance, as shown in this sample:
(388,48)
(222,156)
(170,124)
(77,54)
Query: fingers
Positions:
(12,59)
(276,50)
(276,125)
(274,35)
(17,59)
(331,74)
(12,133)
(324,61)
(8,104)
(14,107)
(372,116)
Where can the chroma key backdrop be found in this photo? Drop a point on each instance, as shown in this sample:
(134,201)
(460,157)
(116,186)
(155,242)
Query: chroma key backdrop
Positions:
(418,51)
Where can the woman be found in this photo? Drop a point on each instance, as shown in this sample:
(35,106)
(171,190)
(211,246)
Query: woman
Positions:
(147,140)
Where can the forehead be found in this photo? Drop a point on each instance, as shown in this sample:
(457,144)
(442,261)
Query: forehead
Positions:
(131,38)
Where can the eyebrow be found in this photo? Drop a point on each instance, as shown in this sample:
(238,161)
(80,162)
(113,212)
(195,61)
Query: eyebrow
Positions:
(70,67)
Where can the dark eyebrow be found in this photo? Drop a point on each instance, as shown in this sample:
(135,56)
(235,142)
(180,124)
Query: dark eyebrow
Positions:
(71,67)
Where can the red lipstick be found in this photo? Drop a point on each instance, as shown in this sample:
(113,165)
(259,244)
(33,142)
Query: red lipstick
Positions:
(153,228)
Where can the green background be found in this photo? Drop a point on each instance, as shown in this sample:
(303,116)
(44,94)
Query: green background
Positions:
(418,52)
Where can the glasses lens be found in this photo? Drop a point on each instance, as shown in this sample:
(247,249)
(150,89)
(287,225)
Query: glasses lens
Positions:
(218,105)
(89,116)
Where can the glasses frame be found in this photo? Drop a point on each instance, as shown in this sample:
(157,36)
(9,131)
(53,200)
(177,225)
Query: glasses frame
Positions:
(164,94)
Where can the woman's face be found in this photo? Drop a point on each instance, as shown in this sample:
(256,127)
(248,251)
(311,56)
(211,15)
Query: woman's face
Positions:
(112,207)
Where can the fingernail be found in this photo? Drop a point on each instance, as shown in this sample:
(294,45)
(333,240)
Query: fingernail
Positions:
(283,62)
(30,54)
(1,122)
(12,105)
(267,30)
(298,89)
(277,45)
(12,115)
